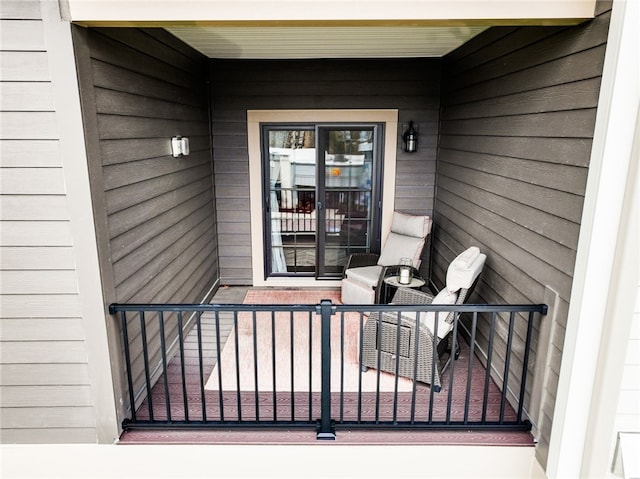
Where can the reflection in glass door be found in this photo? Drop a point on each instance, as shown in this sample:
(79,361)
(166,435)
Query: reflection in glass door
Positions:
(321,184)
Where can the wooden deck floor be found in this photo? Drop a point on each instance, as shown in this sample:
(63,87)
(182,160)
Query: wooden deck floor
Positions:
(387,406)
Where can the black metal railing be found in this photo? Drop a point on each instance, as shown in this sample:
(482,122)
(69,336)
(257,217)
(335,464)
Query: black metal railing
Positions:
(241,365)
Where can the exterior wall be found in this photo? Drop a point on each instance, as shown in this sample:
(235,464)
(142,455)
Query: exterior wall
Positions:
(412,86)
(55,384)
(518,118)
(155,217)
(140,88)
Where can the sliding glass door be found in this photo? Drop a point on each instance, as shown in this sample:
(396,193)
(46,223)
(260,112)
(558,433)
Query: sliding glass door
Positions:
(322,201)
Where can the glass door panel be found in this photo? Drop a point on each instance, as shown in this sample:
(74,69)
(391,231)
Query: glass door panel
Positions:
(347,163)
(292,201)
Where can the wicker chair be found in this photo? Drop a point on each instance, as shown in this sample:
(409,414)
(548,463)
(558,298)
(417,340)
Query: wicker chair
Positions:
(382,329)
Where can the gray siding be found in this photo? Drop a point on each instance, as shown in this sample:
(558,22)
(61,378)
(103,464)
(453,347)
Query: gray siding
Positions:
(145,88)
(518,116)
(44,377)
(411,86)
(155,213)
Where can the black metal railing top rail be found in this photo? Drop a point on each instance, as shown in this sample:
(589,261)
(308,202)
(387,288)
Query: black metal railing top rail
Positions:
(327,366)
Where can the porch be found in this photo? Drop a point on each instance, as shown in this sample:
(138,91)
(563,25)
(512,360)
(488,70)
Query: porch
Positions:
(183,410)
(511,163)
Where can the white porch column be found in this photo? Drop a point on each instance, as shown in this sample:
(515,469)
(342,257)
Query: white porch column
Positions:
(595,276)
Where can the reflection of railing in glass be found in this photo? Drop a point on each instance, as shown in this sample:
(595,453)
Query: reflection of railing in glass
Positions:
(349,142)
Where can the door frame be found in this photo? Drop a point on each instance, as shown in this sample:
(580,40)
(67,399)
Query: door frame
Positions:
(254,119)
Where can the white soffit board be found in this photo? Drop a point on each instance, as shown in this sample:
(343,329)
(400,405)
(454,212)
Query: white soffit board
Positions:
(326,10)
(324,42)
(274,29)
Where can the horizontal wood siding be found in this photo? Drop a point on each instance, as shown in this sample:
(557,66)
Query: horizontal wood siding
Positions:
(146,88)
(140,87)
(44,380)
(411,86)
(517,122)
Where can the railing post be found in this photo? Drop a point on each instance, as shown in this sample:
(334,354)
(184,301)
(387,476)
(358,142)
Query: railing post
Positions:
(325,427)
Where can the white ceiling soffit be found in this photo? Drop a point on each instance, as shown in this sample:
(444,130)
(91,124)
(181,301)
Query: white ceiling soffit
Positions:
(273,29)
(112,11)
(324,42)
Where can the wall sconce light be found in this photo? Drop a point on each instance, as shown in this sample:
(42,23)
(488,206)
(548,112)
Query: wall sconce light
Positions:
(179,146)
(410,138)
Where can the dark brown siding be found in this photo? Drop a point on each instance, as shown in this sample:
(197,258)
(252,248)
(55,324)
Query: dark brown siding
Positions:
(155,214)
(411,86)
(148,87)
(518,116)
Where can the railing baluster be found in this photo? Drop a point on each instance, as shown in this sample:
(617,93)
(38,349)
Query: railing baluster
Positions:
(487,377)
(472,342)
(201,365)
(145,356)
(255,364)
(525,363)
(216,318)
(163,351)
(342,338)
(454,347)
(274,366)
(379,354)
(434,359)
(310,367)
(293,365)
(397,372)
(183,374)
(127,360)
(507,363)
(414,386)
(237,362)
(360,372)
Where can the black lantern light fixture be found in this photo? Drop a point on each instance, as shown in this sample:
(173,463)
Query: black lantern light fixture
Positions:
(410,138)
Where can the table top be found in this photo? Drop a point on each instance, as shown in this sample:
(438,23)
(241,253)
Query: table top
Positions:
(395,281)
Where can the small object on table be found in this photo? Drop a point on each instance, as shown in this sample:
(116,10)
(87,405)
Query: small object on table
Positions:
(405,272)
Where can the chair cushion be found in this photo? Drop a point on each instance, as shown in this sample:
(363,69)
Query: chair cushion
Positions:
(444,327)
(427,320)
(400,246)
(411,225)
(367,275)
(356,293)
(464,269)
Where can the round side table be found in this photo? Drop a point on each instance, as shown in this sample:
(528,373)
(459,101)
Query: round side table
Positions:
(394,282)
